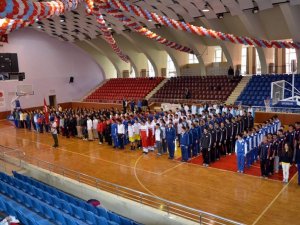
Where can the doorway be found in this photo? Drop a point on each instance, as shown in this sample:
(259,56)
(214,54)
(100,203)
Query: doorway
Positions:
(52,100)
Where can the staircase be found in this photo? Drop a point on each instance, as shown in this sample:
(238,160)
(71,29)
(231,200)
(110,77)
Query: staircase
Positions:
(153,92)
(94,89)
(238,90)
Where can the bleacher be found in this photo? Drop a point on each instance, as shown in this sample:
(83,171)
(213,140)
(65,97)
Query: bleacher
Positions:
(200,87)
(120,88)
(35,203)
(259,88)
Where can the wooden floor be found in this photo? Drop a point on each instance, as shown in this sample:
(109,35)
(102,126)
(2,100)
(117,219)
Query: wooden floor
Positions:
(243,198)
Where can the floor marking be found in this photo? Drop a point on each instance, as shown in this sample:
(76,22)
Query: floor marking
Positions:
(138,180)
(272,202)
(167,170)
(87,156)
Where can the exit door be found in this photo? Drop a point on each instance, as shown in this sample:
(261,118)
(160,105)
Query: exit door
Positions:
(52,100)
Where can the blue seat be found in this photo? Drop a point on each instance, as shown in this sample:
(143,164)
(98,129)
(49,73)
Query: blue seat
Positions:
(78,213)
(48,199)
(90,218)
(67,208)
(48,212)
(114,217)
(58,203)
(19,197)
(37,207)
(102,221)
(59,219)
(102,212)
(2,205)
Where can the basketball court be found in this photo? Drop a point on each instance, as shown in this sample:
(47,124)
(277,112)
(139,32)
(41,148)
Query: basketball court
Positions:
(243,198)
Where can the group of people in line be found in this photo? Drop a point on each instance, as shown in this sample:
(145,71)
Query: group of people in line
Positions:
(211,130)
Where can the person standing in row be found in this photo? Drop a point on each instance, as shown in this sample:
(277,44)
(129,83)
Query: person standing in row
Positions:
(54,131)
(297,159)
(285,161)
(205,145)
(184,144)
(90,129)
(121,133)
(170,138)
(144,136)
(158,139)
(240,150)
(264,157)
(131,135)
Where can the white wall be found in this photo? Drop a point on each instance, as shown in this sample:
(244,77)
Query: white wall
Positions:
(48,64)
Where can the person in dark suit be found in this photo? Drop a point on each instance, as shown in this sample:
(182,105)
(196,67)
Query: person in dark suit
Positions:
(205,145)
(230,73)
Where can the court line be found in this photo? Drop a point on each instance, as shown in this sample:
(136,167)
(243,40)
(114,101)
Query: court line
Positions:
(87,156)
(138,180)
(272,202)
(167,170)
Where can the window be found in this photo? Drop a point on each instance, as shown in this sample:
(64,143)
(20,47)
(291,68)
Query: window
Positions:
(244,61)
(151,72)
(171,70)
(132,73)
(290,54)
(218,54)
(258,65)
(193,59)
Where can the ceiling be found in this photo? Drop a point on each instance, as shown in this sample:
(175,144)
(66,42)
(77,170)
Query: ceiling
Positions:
(77,25)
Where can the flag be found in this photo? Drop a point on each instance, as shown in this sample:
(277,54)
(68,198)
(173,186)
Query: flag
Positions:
(4,38)
(46,112)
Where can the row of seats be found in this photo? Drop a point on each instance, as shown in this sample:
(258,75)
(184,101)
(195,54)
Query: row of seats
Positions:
(26,216)
(77,205)
(259,88)
(53,215)
(200,88)
(128,88)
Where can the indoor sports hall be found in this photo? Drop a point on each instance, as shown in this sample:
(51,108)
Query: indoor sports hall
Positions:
(150,112)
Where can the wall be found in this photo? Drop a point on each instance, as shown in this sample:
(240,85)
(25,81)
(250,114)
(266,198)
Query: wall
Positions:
(285,118)
(48,63)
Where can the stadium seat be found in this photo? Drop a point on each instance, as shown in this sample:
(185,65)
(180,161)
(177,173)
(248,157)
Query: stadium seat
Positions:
(198,86)
(128,88)
(70,205)
(259,88)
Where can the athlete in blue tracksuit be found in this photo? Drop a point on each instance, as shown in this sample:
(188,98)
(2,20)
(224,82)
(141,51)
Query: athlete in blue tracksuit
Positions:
(248,140)
(170,138)
(184,144)
(126,138)
(240,150)
(114,134)
(191,141)
(195,147)
(198,129)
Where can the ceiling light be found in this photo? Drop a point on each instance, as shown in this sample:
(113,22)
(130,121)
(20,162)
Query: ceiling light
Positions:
(39,27)
(62,20)
(220,15)
(36,19)
(150,20)
(255,10)
(206,9)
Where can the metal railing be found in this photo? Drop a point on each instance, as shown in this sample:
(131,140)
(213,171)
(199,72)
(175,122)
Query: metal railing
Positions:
(274,109)
(181,100)
(19,159)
